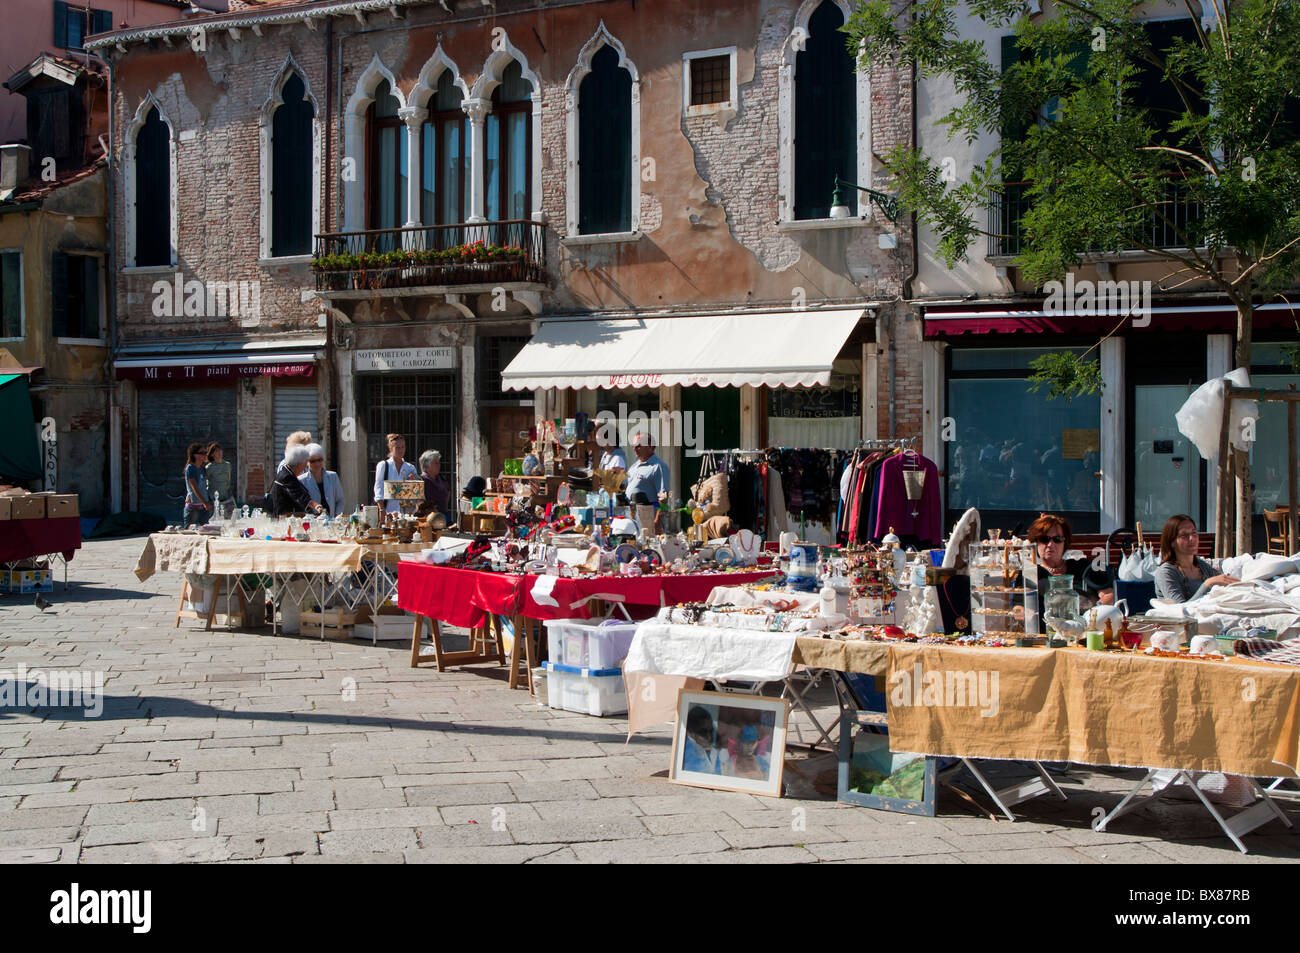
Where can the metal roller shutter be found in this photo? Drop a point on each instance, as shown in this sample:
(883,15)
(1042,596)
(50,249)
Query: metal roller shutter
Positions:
(294,408)
(169,420)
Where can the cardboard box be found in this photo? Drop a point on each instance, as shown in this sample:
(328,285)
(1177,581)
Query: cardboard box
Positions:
(28,507)
(6,508)
(28,580)
(61,505)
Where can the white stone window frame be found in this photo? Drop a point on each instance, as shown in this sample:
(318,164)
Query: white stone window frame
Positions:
(129,193)
(22,293)
(494,67)
(416,114)
(266,145)
(355,144)
(600,38)
(102,317)
(726,110)
(785,123)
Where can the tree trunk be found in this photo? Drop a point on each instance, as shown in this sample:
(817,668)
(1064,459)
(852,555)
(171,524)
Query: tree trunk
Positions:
(1241,460)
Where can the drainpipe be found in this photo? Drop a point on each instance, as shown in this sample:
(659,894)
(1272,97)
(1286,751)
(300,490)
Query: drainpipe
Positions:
(110,280)
(332,421)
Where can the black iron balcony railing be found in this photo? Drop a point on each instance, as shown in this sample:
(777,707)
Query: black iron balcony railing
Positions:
(431,255)
(1008,207)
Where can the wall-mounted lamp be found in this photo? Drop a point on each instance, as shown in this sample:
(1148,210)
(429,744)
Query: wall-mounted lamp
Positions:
(886,203)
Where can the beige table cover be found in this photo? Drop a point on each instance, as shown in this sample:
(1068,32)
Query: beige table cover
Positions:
(172,552)
(1240,716)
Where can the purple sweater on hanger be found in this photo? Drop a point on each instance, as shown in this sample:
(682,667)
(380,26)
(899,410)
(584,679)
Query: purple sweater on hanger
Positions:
(893,508)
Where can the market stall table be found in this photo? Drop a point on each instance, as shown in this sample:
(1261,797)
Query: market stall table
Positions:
(467,597)
(1121,709)
(55,538)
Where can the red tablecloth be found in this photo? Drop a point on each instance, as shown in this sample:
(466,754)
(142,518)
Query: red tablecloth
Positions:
(20,539)
(464,597)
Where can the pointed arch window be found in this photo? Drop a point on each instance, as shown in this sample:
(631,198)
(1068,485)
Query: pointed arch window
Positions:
(291,170)
(444,157)
(605,146)
(388,161)
(507,145)
(825,115)
(153,211)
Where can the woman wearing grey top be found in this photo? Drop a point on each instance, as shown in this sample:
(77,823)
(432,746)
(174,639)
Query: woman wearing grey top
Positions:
(1182,575)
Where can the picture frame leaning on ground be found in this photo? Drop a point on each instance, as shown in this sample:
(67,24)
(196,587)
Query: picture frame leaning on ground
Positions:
(1097,164)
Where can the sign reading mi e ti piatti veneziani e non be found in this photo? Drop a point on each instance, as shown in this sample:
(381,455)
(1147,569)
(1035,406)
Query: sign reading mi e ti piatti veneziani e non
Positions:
(405,359)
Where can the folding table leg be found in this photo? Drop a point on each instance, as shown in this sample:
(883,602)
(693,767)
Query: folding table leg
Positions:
(1013,794)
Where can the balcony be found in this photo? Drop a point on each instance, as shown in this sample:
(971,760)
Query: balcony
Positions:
(1007,209)
(463,257)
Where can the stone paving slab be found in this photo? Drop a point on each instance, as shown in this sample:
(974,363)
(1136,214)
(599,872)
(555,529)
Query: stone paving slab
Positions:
(241,747)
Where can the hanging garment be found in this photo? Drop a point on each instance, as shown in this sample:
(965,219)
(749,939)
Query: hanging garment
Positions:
(778,519)
(903,476)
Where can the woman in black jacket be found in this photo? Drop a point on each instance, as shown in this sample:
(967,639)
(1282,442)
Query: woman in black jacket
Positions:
(288,495)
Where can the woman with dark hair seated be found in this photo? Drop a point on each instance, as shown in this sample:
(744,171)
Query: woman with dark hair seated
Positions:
(1182,575)
(1051,537)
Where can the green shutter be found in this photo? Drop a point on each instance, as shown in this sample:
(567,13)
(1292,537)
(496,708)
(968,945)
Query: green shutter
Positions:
(605,147)
(291,172)
(89,297)
(11,317)
(59,294)
(60,24)
(825,116)
(103,21)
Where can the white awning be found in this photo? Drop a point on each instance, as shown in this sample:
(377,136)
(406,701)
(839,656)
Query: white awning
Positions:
(786,349)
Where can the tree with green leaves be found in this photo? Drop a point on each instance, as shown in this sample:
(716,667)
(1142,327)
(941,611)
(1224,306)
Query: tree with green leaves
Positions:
(1104,168)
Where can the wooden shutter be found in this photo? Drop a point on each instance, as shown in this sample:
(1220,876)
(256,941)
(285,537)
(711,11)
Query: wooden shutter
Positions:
(59,294)
(291,172)
(825,116)
(102,21)
(153,193)
(89,297)
(60,24)
(605,147)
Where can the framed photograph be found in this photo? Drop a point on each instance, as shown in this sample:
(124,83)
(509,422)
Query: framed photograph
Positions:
(730,742)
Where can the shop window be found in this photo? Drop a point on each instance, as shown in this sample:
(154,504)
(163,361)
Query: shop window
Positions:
(825,116)
(11,295)
(72,24)
(605,146)
(507,147)
(388,164)
(828,416)
(1270,369)
(444,157)
(153,223)
(74,280)
(494,355)
(1017,454)
(291,171)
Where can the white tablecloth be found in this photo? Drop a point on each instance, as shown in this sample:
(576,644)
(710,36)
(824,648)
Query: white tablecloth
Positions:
(702,651)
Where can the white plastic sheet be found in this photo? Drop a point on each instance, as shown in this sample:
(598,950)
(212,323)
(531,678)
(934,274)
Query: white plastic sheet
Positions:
(1201,417)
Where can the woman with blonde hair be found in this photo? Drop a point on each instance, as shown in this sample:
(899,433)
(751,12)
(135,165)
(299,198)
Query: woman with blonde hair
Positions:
(394,467)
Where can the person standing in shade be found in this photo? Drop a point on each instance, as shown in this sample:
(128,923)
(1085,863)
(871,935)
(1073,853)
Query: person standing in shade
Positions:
(647,482)
(395,467)
(323,486)
(198,505)
(436,491)
(220,477)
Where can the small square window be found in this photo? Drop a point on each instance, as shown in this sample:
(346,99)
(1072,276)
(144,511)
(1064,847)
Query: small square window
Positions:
(710,80)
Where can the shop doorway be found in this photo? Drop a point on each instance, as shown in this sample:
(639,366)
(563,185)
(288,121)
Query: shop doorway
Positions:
(1166,474)
(169,421)
(720,410)
(507,434)
(421,407)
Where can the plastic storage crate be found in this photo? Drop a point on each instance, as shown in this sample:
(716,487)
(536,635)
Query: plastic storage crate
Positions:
(587,691)
(27,580)
(585,643)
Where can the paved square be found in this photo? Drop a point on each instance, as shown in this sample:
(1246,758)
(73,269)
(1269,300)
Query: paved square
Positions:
(237,746)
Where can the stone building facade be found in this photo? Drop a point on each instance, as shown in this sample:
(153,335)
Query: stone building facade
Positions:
(350,348)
